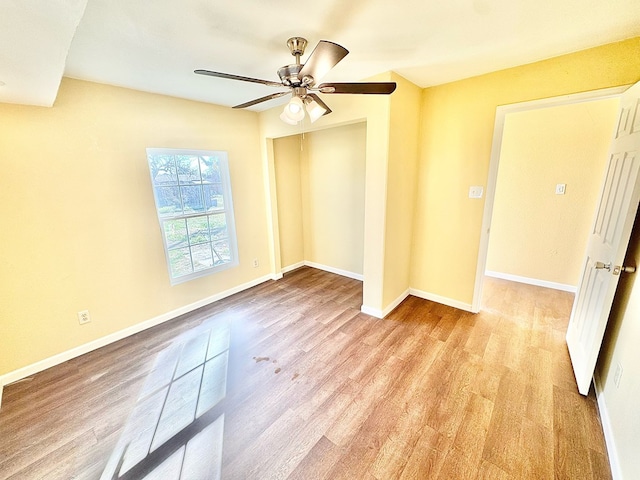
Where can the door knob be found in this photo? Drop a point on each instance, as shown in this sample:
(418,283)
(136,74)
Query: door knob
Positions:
(604,266)
(617,270)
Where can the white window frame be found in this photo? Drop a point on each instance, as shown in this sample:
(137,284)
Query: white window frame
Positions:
(227,210)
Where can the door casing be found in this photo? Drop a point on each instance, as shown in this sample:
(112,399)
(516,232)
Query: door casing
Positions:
(498,131)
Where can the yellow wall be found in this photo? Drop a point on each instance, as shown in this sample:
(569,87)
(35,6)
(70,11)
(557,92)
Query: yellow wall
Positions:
(534,232)
(333,197)
(79,224)
(287,153)
(455,148)
(320,195)
(401,188)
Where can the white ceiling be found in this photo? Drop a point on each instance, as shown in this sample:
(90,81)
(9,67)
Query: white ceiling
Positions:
(155,45)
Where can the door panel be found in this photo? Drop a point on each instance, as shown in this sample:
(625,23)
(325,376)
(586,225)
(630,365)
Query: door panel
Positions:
(607,243)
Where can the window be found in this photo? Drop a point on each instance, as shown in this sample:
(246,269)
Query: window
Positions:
(193,200)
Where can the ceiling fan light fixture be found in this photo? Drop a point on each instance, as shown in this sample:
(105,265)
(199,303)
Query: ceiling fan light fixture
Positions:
(300,78)
(286,119)
(294,110)
(315,110)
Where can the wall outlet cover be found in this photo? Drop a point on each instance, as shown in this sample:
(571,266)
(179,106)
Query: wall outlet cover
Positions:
(83,317)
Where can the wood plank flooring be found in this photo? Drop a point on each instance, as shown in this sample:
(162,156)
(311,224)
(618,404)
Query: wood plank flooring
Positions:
(289,380)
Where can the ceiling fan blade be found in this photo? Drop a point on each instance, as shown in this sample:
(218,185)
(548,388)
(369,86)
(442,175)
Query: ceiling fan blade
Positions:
(261,99)
(324,57)
(237,77)
(320,102)
(367,88)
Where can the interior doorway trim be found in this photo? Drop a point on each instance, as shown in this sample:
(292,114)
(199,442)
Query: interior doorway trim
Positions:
(496,145)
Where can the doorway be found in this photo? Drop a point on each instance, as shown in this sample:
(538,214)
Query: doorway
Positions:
(524,236)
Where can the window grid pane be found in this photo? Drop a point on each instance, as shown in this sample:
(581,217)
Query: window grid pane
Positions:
(206,240)
(180,261)
(213,196)
(198,228)
(175,232)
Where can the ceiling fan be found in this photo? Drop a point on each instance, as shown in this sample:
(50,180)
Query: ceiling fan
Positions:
(301,80)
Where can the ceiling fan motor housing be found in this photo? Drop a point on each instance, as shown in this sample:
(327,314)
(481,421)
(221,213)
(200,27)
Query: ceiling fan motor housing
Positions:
(289,75)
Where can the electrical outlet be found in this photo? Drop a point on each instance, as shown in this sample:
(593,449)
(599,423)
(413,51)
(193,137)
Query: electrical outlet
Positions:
(255,263)
(83,317)
(618,375)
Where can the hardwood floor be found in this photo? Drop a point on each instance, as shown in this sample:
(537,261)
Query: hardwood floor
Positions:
(288,380)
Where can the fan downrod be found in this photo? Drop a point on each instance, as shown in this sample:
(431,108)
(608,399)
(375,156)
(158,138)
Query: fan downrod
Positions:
(289,73)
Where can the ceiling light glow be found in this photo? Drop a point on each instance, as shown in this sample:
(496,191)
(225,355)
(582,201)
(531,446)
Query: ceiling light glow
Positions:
(294,110)
(315,111)
(286,119)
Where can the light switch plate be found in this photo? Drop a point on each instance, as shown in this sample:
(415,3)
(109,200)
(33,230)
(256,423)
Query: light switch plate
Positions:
(476,191)
(561,188)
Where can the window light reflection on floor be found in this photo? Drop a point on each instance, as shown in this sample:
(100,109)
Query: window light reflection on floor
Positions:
(175,430)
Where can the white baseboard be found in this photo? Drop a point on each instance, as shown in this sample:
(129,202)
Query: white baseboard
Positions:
(326,268)
(337,271)
(389,308)
(609,440)
(374,312)
(532,281)
(293,267)
(378,313)
(34,368)
(440,299)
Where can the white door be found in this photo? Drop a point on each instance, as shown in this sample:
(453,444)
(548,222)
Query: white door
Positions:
(608,242)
